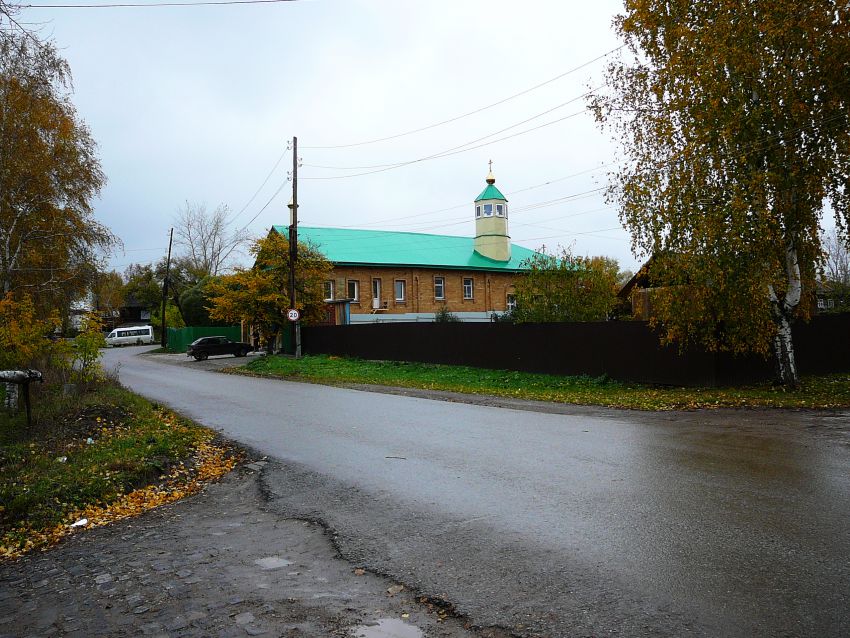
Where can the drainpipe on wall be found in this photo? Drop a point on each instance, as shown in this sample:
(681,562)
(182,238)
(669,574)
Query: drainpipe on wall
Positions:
(415,279)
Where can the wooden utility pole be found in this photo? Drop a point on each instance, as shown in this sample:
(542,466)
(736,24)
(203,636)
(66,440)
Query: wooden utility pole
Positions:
(163,337)
(295,329)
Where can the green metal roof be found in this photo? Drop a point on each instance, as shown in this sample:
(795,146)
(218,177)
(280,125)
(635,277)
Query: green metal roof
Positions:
(491,192)
(350,247)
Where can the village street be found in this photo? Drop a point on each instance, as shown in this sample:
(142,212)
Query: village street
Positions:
(578,522)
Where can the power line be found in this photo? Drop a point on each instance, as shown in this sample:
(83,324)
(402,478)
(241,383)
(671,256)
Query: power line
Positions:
(271,199)
(145,5)
(540,223)
(560,200)
(478,110)
(466,204)
(560,217)
(450,152)
(760,144)
(257,192)
(419,229)
(587,232)
(460,146)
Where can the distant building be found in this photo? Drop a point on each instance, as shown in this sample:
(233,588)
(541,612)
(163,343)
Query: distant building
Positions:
(396,276)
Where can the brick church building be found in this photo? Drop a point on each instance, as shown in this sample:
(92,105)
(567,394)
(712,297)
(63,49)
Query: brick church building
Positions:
(398,276)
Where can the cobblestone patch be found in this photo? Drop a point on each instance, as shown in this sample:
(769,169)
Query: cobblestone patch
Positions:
(216,564)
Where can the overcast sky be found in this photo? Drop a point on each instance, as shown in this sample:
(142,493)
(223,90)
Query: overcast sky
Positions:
(198,104)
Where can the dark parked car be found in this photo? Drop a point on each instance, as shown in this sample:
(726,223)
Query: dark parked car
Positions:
(211,346)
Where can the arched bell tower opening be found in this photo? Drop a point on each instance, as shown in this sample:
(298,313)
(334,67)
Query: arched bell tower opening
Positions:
(491,222)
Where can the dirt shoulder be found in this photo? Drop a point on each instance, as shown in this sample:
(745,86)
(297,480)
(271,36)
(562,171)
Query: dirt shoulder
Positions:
(219,563)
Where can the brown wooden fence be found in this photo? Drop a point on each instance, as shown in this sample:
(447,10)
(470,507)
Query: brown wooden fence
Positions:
(622,350)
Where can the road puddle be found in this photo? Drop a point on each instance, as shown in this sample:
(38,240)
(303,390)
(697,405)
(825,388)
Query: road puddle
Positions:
(272,562)
(388,628)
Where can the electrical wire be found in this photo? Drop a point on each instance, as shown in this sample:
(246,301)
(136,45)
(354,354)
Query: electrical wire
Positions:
(569,198)
(145,5)
(455,152)
(257,192)
(266,205)
(586,232)
(465,204)
(427,226)
(460,146)
(478,110)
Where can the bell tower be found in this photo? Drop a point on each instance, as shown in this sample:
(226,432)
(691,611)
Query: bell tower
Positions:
(491,222)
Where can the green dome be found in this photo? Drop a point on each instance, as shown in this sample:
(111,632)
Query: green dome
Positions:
(491,192)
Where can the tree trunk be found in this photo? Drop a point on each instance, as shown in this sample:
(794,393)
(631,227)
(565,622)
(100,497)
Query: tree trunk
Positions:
(783,346)
(783,313)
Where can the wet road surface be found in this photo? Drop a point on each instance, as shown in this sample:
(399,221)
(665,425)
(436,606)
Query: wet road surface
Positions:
(589,522)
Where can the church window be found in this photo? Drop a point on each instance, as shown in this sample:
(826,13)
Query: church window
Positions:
(467,287)
(511,303)
(439,288)
(488,210)
(329,290)
(354,290)
(400,286)
(500,210)
(478,211)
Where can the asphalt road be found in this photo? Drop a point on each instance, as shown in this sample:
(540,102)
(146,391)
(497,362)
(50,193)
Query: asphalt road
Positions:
(587,522)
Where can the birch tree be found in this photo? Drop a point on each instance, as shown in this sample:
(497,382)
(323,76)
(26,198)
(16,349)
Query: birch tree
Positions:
(732,120)
(50,244)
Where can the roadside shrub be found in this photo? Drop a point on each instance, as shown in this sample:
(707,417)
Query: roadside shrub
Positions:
(444,315)
(24,337)
(503,317)
(28,341)
(87,345)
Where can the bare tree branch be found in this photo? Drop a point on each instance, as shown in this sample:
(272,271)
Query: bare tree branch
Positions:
(204,238)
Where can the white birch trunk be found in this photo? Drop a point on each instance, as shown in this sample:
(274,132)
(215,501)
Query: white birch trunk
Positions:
(783,314)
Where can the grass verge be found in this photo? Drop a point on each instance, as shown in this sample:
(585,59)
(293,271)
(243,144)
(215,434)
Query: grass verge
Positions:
(102,456)
(826,391)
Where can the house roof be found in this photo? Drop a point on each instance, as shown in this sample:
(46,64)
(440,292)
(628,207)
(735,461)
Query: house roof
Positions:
(491,192)
(350,247)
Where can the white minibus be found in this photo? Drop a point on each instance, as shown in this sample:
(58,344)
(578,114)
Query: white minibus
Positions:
(135,334)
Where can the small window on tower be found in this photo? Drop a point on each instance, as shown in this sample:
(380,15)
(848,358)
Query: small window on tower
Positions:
(478,211)
(500,210)
(488,210)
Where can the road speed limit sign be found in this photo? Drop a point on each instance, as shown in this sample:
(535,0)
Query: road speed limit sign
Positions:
(293,315)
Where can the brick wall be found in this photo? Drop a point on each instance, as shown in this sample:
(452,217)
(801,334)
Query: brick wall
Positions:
(489,289)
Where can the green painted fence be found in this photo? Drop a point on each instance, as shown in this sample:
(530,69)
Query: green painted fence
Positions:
(180,338)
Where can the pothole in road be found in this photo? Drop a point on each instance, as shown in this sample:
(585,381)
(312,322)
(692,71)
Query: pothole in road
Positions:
(388,628)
